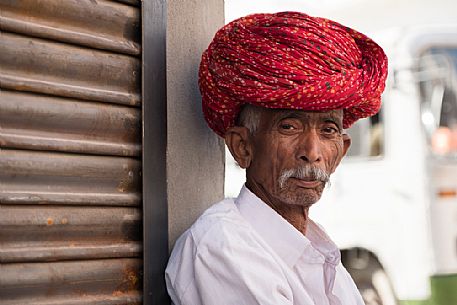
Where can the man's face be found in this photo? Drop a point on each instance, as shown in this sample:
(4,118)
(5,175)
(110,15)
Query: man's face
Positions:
(293,153)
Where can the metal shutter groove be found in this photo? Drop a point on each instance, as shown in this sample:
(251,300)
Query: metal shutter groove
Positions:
(97,24)
(37,65)
(35,177)
(68,125)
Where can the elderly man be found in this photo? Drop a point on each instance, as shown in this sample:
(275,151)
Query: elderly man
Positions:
(280,88)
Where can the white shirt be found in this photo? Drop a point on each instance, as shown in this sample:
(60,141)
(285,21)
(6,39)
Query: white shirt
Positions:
(241,252)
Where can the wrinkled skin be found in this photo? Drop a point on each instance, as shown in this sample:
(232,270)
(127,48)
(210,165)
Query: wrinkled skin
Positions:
(284,140)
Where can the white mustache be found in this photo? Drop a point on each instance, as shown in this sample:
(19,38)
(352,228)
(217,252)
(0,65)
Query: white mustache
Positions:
(304,172)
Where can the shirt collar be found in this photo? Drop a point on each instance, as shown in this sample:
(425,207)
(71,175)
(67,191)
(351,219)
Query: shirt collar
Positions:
(282,237)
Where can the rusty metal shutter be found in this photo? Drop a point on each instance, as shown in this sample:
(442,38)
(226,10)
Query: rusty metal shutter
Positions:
(70,152)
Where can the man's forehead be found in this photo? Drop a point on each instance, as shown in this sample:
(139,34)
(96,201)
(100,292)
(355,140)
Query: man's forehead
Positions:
(274,114)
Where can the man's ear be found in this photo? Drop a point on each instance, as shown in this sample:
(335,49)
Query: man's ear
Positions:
(238,142)
(346,143)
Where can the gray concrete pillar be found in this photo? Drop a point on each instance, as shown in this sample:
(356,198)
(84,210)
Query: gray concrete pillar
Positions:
(195,155)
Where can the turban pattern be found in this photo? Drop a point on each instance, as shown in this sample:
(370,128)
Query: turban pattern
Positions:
(290,60)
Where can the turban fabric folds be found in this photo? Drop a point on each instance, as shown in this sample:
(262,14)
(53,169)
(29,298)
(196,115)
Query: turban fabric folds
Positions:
(290,60)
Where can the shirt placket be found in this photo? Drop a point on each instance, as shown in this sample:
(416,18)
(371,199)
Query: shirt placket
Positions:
(329,277)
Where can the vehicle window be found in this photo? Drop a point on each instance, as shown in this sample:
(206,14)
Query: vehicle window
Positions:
(367,137)
(438,89)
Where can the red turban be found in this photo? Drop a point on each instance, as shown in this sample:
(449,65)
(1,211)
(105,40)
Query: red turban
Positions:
(290,60)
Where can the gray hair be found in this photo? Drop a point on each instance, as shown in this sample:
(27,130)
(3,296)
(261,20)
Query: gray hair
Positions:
(249,117)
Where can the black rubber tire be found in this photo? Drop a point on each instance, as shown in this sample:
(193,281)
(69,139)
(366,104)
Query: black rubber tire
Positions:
(370,278)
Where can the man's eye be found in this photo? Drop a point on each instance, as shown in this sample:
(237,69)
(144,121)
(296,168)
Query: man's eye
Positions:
(287,126)
(330,130)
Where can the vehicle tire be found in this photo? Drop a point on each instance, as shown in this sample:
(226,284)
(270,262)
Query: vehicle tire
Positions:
(369,276)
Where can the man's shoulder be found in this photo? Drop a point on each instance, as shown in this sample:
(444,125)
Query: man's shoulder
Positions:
(221,218)
(218,227)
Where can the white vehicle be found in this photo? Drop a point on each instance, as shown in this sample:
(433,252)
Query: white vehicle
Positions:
(392,205)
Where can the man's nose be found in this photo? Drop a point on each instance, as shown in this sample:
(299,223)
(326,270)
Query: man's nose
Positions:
(309,149)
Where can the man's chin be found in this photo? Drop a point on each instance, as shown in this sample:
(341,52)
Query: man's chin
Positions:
(301,197)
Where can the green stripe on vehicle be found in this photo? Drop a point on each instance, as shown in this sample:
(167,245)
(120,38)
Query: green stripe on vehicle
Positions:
(444,289)
(415,302)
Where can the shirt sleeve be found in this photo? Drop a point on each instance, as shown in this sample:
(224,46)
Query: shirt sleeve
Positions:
(231,268)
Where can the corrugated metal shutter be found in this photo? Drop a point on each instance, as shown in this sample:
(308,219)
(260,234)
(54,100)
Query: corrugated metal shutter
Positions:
(70,152)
